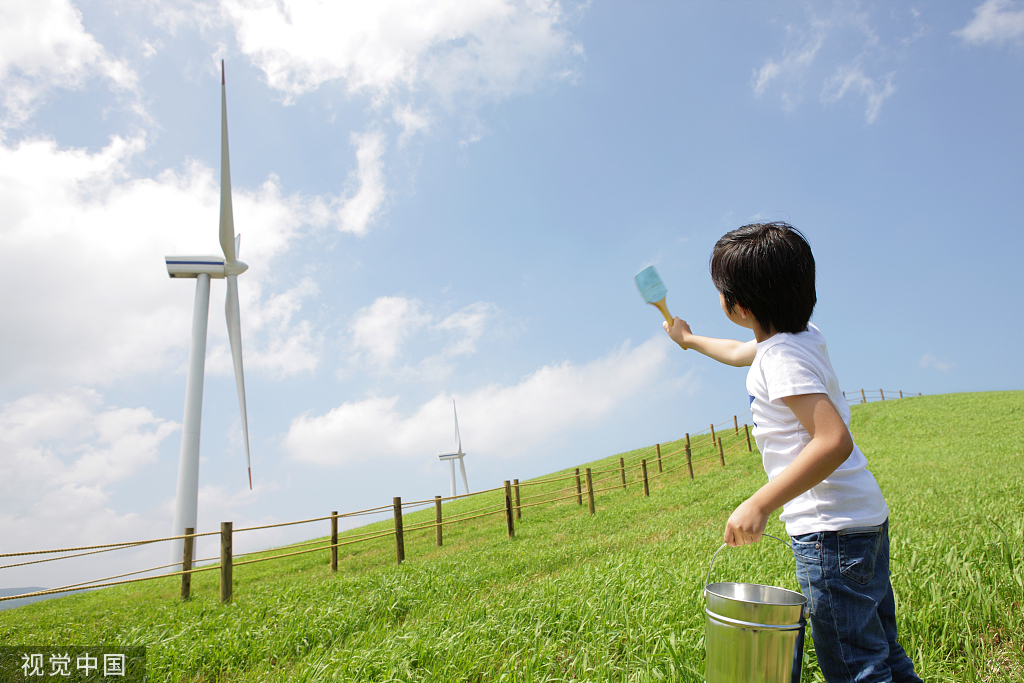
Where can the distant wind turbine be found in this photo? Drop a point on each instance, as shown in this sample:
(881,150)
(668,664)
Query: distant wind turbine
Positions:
(457,455)
(202,268)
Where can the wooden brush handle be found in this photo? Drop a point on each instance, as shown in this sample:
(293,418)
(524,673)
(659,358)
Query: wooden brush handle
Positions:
(664,311)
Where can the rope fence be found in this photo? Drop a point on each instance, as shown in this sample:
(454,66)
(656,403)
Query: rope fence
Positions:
(485,514)
(110,546)
(873,395)
(63,557)
(462,516)
(632,470)
(277,557)
(535,482)
(554,500)
(548,493)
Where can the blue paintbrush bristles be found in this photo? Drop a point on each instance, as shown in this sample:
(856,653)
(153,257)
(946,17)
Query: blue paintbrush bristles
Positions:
(650,285)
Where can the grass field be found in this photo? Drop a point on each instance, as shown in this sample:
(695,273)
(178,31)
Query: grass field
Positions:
(610,597)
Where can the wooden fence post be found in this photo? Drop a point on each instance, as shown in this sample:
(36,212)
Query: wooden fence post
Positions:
(882,393)
(622,472)
(437,521)
(735,425)
(721,453)
(643,470)
(750,449)
(689,464)
(519,509)
(713,436)
(334,540)
(901,393)
(657,446)
(863,398)
(579,489)
(225,561)
(508,510)
(590,492)
(399,530)
(186,563)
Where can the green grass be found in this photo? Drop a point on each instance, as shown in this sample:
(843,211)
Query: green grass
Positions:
(610,597)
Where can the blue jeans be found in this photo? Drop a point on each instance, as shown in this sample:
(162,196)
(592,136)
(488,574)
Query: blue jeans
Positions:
(846,576)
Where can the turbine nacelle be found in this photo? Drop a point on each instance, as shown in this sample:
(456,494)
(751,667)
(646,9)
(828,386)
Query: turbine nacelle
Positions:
(451,456)
(214,266)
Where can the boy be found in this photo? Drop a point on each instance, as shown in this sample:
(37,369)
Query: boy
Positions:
(832,506)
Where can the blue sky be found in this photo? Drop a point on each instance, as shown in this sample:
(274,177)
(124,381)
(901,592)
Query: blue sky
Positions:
(446,200)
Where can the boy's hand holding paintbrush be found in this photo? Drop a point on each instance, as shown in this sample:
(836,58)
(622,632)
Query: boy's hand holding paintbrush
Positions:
(728,351)
(680,332)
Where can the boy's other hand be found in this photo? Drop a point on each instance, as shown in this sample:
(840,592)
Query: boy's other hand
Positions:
(745,525)
(679,331)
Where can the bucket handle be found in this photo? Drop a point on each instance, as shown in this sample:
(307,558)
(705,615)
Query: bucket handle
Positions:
(807,572)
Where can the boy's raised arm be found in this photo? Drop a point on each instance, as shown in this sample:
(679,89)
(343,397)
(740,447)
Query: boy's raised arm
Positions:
(728,351)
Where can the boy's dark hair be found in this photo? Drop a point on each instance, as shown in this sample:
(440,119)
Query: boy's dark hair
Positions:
(768,269)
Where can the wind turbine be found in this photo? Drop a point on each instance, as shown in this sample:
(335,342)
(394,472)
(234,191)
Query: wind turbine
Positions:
(457,455)
(202,268)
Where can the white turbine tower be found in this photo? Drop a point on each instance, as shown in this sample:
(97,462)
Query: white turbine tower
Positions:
(202,268)
(457,455)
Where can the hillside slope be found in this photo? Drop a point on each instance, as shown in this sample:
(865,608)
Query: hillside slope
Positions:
(614,596)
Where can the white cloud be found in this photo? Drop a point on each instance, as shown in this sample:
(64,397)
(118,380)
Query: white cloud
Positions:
(930,360)
(150,49)
(44,45)
(359,209)
(63,454)
(468,324)
(995,21)
(71,439)
(840,50)
(411,56)
(411,121)
(766,74)
(488,47)
(501,421)
(796,59)
(286,347)
(852,77)
(72,516)
(380,328)
(81,260)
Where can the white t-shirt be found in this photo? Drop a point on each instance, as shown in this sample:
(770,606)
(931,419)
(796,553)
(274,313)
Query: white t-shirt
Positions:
(791,365)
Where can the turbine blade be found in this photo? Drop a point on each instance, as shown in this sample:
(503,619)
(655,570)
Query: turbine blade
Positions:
(465,481)
(227,220)
(458,439)
(238,245)
(231,311)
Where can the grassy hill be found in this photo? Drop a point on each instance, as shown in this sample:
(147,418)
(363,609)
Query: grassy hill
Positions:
(615,596)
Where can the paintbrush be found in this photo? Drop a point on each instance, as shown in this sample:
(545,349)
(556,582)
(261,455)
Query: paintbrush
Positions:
(653,291)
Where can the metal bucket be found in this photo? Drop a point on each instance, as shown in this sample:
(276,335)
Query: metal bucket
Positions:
(752,633)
